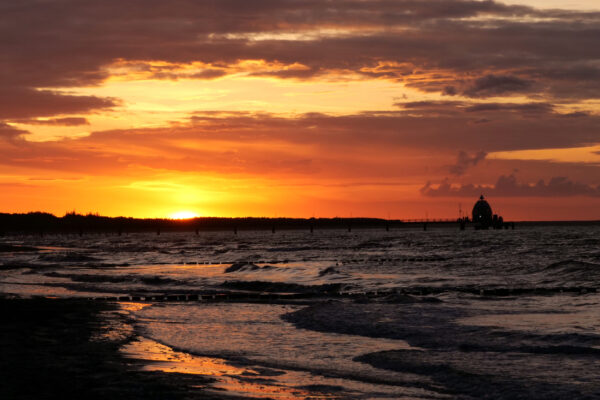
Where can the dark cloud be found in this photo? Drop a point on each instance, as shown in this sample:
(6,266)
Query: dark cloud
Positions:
(526,108)
(449,90)
(492,109)
(496,85)
(576,114)
(290,73)
(475,48)
(464,161)
(9,133)
(508,186)
(436,105)
(443,131)
(18,103)
(428,130)
(478,48)
(209,74)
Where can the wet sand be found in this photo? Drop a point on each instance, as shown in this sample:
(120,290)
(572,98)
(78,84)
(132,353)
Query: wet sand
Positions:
(63,348)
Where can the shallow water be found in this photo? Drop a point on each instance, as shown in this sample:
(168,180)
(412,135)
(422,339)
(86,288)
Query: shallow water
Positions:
(254,337)
(422,314)
(547,257)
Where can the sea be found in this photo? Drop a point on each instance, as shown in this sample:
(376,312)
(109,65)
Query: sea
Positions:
(336,314)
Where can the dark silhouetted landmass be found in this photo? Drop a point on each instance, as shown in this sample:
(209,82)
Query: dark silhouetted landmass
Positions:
(73,223)
(58,349)
(45,223)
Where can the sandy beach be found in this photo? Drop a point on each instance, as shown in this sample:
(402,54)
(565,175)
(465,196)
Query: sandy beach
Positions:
(59,348)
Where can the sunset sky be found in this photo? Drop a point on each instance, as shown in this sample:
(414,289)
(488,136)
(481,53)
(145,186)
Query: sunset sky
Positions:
(300,108)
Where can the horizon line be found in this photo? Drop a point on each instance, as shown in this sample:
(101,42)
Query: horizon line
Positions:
(405,220)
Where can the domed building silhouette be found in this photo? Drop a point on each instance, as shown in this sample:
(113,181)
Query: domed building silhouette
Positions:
(482,213)
(483,217)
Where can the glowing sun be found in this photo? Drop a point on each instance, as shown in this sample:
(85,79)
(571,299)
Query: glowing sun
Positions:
(183,215)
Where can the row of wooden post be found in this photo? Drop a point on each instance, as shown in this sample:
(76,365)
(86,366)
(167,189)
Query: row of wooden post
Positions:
(461,223)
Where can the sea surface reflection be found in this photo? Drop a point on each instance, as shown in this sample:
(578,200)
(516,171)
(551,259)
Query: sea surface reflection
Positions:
(259,346)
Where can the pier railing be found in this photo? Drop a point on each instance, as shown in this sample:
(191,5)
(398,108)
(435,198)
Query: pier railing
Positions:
(429,220)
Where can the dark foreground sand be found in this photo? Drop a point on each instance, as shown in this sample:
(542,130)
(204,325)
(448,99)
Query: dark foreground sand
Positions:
(59,348)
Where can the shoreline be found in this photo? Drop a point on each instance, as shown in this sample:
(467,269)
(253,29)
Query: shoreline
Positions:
(57,348)
(61,348)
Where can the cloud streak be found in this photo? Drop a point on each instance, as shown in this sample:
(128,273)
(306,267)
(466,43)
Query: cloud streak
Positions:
(17,103)
(508,186)
(67,121)
(366,144)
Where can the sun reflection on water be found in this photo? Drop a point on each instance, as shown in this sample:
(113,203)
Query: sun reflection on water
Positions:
(234,379)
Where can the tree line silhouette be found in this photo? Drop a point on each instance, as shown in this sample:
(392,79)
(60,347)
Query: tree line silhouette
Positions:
(74,223)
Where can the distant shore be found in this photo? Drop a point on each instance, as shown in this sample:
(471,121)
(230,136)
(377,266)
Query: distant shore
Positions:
(44,223)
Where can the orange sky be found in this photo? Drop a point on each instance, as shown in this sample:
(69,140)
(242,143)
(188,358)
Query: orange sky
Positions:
(371,108)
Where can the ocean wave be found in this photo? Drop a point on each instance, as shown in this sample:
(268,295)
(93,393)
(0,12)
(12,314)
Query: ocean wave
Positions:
(392,260)
(420,327)
(460,378)
(328,271)
(67,257)
(573,266)
(571,272)
(468,361)
(246,266)
(130,278)
(290,249)
(15,248)
(275,287)
(571,350)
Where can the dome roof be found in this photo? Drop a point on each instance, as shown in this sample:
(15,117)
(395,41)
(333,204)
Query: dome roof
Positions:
(482,212)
